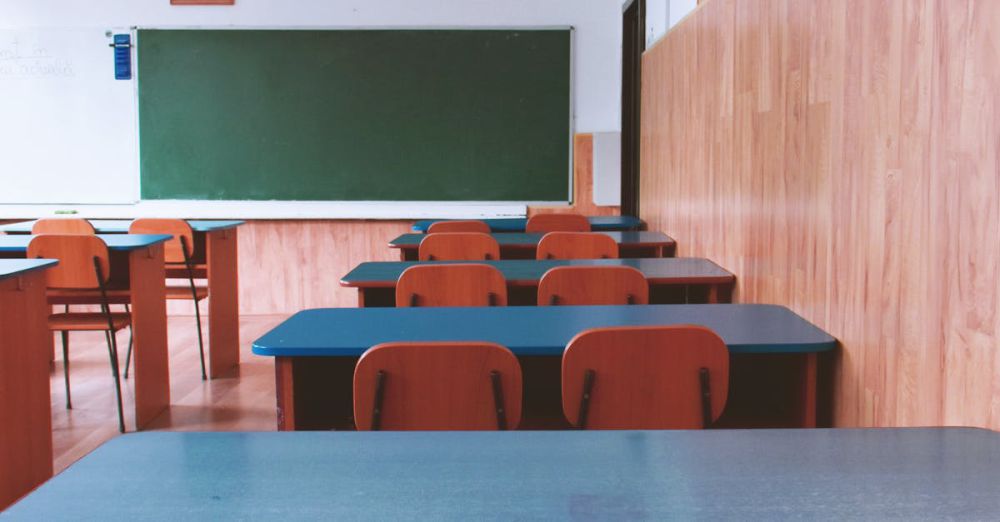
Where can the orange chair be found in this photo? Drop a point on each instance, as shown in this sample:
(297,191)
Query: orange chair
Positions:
(177,253)
(457,284)
(593,285)
(576,245)
(541,223)
(63,226)
(437,386)
(458,246)
(645,377)
(83,267)
(458,226)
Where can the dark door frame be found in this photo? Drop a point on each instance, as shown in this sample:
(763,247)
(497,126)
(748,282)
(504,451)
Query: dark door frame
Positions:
(633,44)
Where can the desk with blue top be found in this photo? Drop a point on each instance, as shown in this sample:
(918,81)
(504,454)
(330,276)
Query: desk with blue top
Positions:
(315,353)
(137,277)
(671,280)
(25,411)
(842,474)
(215,257)
(597,223)
(522,245)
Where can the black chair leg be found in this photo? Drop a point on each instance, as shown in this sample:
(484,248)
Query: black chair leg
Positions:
(113,355)
(65,350)
(128,353)
(201,343)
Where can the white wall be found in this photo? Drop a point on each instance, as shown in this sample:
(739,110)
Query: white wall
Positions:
(597,38)
(661,15)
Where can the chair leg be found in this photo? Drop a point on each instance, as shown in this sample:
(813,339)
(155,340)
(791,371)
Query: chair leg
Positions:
(113,355)
(131,335)
(65,350)
(201,342)
(128,354)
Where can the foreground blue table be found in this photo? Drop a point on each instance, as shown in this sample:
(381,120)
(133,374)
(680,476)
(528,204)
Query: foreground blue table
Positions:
(316,350)
(696,279)
(522,245)
(597,223)
(873,474)
(216,260)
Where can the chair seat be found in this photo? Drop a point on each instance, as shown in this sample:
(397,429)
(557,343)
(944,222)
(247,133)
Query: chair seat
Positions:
(61,296)
(183,292)
(86,321)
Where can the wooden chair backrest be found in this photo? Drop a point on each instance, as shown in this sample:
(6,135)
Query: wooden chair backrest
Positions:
(458,246)
(470,225)
(63,226)
(437,386)
(593,285)
(576,245)
(557,223)
(76,255)
(645,377)
(178,228)
(460,284)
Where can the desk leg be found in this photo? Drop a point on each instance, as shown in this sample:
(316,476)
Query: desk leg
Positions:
(361,297)
(147,284)
(25,405)
(807,411)
(721,293)
(223,302)
(284,386)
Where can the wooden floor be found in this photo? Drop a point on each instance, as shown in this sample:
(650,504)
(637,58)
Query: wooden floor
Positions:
(241,401)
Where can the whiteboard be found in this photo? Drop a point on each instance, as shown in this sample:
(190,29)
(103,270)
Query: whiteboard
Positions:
(68,129)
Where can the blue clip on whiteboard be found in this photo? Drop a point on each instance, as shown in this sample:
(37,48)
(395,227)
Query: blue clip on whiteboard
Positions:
(123,56)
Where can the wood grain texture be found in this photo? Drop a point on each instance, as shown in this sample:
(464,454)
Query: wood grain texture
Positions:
(25,418)
(437,386)
(458,246)
(576,245)
(457,284)
(593,285)
(645,377)
(223,305)
(147,283)
(843,159)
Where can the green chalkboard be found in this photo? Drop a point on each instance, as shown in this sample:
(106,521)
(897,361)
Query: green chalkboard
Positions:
(354,115)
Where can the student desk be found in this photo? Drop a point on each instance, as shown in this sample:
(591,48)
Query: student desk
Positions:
(597,223)
(216,261)
(668,278)
(521,245)
(841,474)
(316,350)
(136,264)
(25,412)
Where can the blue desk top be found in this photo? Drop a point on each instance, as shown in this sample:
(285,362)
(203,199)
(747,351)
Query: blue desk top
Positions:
(517,224)
(120,226)
(524,239)
(840,474)
(533,330)
(121,242)
(658,270)
(16,267)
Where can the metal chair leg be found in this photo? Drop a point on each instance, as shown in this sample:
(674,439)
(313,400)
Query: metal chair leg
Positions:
(201,342)
(65,350)
(131,335)
(113,355)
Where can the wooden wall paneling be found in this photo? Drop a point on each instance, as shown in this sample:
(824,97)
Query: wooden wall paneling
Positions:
(842,158)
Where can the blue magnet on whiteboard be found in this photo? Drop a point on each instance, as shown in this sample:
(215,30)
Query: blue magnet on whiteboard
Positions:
(123,56)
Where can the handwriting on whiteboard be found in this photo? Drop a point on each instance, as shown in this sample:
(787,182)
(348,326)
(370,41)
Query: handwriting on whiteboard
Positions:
(20,59)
